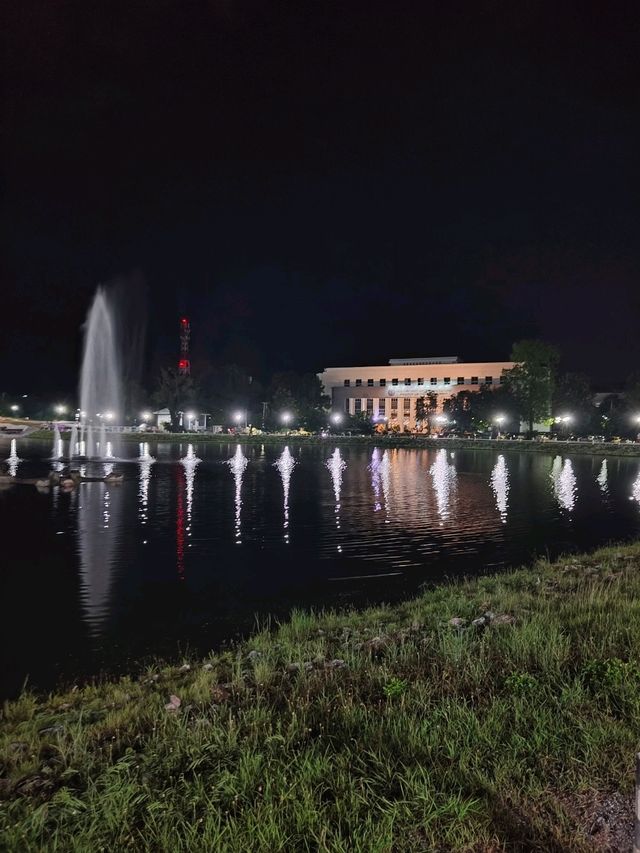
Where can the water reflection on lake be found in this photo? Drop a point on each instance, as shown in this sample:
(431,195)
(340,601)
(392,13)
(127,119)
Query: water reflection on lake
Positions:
(199,539)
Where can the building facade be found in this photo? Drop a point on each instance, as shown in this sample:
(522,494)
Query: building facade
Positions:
(389,392)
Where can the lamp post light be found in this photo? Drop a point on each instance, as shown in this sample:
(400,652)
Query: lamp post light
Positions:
(190,416)
(15,407)
(564,420)
(240,417)
(286,417)
(60,409)
(499,420)
(336,418)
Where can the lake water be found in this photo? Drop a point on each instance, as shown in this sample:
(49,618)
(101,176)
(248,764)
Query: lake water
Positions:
(183,557)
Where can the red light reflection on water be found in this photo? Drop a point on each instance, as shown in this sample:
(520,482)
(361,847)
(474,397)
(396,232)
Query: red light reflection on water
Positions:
(180,521)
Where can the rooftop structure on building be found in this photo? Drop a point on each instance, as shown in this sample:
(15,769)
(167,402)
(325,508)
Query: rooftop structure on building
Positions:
(442,359)
(389,392)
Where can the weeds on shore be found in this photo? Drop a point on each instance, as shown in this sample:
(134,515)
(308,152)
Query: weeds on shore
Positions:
(488,715)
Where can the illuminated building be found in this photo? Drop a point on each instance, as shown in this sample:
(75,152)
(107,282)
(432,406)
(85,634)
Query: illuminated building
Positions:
(389,392)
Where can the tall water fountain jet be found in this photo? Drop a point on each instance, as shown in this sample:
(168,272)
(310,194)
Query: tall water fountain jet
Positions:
(100,382)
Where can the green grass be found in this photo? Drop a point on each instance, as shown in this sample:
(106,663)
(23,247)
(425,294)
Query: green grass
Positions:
(382,730)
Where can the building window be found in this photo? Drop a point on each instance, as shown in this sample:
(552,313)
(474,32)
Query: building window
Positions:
(347,382)
(460,380)
(407,405)
(381,405)
(370,406)
(358,406)
(488,380)
(474,380)
(358,383)
(420,380)
(383,382)
(407,381)
(370,383)
(394,381)
(346,405)
(447,380)
(433,380)
(394,402)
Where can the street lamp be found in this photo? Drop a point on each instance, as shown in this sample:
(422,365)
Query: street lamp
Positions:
(336,418)
(564,420)
(239,417)
(286,417)
(146,416)
(15,407)
(108,416)
(499,420)
(190,416)
(60,409)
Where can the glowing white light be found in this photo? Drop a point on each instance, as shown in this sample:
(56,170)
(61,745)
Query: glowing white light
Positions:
(285,464)
(564,483)
(146,416)
(191,415)
(500,486)
(238,416)
(109,416)
(14,408)
(602,477)
(441,419)
(238,464)
(336,418)
(60,409)
(635,489)
(285,417)
(500,419)
(443,476)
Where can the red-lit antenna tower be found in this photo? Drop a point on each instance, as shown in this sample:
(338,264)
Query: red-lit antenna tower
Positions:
(184,365)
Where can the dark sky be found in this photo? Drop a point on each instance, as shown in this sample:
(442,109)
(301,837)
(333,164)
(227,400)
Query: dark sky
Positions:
(322,182)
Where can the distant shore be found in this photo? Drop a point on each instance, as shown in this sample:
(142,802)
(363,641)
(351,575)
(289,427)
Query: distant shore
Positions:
(411,441)
(497,713)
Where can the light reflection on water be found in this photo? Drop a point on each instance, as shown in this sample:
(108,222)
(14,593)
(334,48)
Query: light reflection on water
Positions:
(564,483)
(443,475)
(238,464)
(328,513)
(500,486)
(285,465)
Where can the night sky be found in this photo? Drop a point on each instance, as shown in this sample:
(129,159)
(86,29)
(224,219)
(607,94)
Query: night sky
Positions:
(322,183)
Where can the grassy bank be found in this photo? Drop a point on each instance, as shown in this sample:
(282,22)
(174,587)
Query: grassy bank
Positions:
(412,441)
(407,728)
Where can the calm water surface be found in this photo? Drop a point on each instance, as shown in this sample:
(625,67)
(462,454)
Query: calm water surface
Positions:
(184,556)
